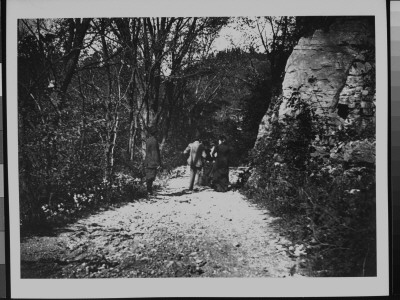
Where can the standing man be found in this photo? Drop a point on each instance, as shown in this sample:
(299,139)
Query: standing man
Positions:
(197,153)
(152,161)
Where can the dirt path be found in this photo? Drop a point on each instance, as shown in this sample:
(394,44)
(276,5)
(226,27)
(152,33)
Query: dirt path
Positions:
(173,234)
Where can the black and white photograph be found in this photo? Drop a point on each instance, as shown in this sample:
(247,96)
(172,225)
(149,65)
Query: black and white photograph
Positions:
(169,147)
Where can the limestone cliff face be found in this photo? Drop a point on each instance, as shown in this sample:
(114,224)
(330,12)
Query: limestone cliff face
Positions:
(332,70)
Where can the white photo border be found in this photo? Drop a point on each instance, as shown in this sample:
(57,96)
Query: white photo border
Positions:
(199,287)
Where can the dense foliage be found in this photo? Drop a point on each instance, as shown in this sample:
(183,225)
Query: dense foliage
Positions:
(303,174)
(88,89)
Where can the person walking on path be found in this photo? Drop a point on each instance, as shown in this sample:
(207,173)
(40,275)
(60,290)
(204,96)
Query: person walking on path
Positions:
(221,168)
(196,153)
(207,165)
(152,161)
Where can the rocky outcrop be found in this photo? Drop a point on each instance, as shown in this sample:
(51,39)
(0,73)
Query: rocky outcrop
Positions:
(332,70)
(359,151)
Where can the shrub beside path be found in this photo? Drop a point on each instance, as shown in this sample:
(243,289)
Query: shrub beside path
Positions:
(172,234)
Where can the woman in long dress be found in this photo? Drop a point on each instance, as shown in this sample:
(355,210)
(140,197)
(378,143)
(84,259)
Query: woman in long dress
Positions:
(206,177)
(221,167)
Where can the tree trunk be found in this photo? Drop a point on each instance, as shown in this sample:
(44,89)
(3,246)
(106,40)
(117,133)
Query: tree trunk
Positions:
(111,116)
(132,133)
(71,60)
(110,150)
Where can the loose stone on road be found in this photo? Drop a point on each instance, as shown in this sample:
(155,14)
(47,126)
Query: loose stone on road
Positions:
(172,234)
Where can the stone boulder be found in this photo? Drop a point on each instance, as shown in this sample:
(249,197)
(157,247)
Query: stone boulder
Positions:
(331,70)
(359,151)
